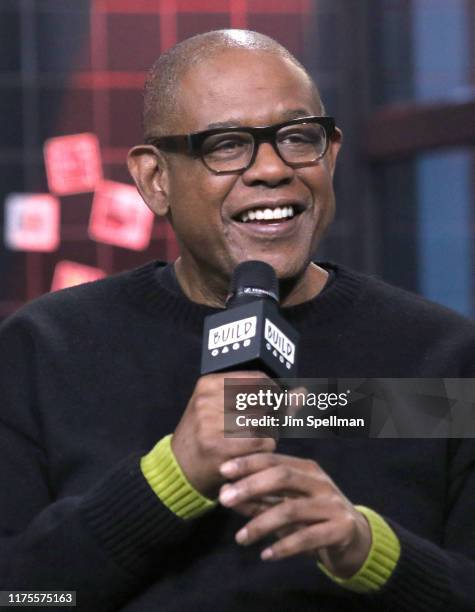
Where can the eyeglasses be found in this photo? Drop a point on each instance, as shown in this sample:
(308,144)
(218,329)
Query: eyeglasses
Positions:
(300,142)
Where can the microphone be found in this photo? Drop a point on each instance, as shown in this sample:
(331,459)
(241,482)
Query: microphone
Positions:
(250,334)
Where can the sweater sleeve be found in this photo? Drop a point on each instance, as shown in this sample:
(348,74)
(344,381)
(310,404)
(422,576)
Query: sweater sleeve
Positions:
(165,476)
(103,543)
(430,577)
(380,562)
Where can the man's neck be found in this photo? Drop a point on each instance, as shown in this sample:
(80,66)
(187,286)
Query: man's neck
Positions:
(309,285)
(214,294)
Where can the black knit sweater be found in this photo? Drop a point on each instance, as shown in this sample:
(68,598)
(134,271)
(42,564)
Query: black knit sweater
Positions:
(92,377)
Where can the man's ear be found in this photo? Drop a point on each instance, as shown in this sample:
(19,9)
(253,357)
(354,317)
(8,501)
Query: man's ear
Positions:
(334,148)
(149,170)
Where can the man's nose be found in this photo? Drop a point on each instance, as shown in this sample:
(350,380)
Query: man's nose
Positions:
(267,168)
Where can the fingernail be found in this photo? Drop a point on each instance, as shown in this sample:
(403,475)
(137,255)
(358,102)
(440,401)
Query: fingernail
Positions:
(228,468)
(241,535)
(228,495)
(266,554)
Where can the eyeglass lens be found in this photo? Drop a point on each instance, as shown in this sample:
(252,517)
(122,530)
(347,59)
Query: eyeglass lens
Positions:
(232,151)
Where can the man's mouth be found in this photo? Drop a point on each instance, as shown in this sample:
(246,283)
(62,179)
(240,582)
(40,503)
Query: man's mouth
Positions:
(261,214)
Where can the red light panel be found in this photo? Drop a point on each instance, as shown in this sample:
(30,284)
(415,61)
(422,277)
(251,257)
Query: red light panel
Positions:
(120,217)
(70,273)
(31,222)
(73,163)
(202,6)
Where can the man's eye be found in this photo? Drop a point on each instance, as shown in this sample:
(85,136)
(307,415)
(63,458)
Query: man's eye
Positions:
(227,145)
(297,138)
(225,148)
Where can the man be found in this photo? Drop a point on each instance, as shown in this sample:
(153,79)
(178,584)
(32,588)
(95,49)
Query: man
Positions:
(119,482)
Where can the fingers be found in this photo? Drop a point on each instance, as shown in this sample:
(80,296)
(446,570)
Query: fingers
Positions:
(300,526)
(207,387)
(307,540)
(214,446)
(282,519)
(199,442)
(259,475)
(254,508)
(279,480)
(297,503)
(252,463)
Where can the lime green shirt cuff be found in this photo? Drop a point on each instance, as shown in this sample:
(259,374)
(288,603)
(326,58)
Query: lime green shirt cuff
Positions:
(165,476)
(381,560)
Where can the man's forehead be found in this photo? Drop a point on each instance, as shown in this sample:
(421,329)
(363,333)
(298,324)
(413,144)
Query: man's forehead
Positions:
(245,62)
(286,115)
(236,85)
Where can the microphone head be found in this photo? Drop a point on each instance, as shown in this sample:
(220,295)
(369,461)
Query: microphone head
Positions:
(250,333)
(253,280)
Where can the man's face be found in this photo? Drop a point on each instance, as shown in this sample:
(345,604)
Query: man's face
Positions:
(247,88)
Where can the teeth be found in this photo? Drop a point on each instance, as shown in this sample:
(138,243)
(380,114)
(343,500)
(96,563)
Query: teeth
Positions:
(268,214)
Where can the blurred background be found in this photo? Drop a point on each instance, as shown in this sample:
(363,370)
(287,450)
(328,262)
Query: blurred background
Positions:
(399,76)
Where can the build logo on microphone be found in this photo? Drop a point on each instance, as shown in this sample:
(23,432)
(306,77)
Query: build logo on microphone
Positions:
(278,340)
(232,334)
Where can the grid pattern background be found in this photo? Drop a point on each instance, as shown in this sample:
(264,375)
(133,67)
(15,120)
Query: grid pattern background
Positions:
(72,66)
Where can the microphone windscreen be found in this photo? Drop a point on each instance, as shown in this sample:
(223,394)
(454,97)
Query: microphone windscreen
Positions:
(254,279)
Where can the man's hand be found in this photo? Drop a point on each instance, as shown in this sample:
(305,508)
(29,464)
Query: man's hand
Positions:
(296,501)
(199,444)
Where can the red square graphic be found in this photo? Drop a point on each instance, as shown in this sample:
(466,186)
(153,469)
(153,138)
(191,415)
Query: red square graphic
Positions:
(31,222)
(70,273)
(73,163)
(120,217)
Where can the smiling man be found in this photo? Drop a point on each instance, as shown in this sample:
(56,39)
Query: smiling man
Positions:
(218,207)
(121,483)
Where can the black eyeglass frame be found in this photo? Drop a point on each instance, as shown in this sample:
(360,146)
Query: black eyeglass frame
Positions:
(191,143)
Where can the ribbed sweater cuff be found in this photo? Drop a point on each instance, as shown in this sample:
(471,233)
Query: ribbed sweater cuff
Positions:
(381,560)
(170,484)
(129,521)
(420,582)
